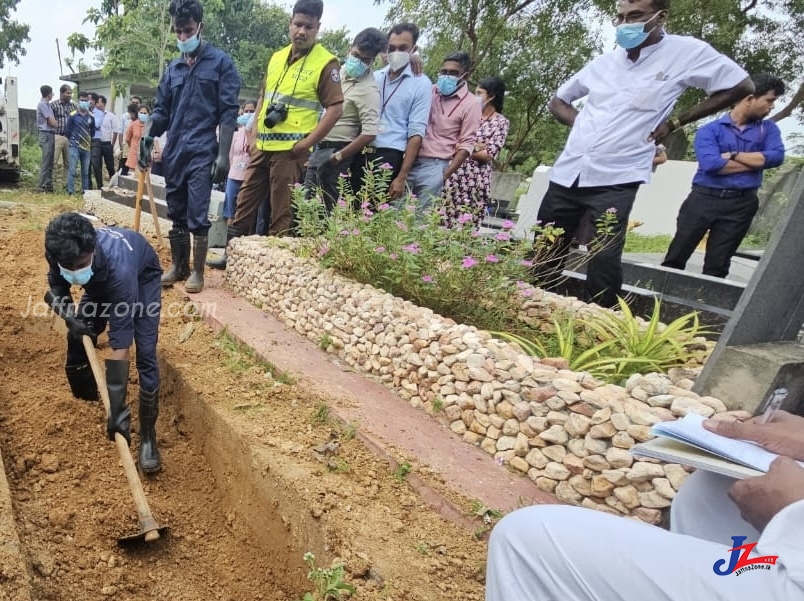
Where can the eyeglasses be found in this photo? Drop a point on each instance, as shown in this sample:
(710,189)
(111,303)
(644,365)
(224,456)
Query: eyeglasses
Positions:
(367,60)
(453,72)
(635,17)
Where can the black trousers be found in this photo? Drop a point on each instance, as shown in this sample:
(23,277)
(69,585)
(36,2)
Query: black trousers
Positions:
(96,166)
(107,154)
(726,218)
(363,163)
(569,209)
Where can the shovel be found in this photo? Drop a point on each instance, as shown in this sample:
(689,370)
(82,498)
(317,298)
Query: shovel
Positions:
(144,185)
(149,529)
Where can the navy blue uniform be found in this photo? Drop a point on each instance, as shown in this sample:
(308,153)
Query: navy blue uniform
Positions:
(124,292)
(191,102)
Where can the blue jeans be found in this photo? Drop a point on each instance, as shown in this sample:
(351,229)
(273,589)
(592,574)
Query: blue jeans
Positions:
(230,198)
(426,181)
(76,155)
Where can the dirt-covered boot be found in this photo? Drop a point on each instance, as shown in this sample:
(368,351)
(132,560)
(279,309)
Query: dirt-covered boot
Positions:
(195,283)
(180,256)
(149,459)
(220,262)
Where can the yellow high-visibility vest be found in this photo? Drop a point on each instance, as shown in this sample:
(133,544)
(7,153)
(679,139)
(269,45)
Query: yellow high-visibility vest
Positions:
(296,86)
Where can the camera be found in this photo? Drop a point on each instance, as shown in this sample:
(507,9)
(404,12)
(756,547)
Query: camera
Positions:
(277,112)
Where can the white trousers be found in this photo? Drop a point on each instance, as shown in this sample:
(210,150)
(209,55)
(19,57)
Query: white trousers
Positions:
(563,553)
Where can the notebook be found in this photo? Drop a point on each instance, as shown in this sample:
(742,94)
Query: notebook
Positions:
(687,442)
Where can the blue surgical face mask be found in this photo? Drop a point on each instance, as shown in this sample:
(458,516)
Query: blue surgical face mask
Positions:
(78,277)
(243,119)
(83,105)
(144,118)
(631,35)
(354,67)
(189,45)
(447,84)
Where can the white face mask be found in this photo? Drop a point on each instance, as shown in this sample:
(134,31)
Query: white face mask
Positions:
(398,60)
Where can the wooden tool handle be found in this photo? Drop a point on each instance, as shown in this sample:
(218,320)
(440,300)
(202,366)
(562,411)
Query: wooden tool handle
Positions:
(152,203)
(147,523)
(138,200)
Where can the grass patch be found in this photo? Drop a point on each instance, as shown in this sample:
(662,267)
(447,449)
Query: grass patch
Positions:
(321,414)
(240,358)
(324,342)
(640,243)
(402,470)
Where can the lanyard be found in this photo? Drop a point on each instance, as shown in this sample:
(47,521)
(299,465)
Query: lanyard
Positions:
(385,100)
(441,104)
(285,72)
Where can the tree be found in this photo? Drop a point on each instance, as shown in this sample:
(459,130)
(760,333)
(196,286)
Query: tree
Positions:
(13,34)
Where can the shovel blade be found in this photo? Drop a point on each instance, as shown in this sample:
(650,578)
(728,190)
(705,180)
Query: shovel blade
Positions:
(144,536)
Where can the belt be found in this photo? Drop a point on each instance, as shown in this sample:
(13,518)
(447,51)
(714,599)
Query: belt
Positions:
(46,131)
(325,144)
(723,192)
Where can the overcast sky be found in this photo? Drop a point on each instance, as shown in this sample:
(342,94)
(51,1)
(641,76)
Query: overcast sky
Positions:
(51,20)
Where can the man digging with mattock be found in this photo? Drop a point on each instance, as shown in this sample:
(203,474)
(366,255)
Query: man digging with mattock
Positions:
(120,274)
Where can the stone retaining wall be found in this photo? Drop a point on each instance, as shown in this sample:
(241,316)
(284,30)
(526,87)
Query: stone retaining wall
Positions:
(569,432)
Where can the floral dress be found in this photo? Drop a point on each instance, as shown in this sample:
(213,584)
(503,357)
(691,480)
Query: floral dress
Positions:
(467,190)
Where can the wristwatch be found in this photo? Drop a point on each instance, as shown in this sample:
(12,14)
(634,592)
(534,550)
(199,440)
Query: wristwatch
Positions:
(338,156)
(733,155)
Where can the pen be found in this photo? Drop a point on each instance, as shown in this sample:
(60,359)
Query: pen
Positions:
(773,404)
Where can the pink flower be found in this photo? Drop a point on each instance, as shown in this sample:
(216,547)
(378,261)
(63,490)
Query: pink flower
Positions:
(492,259)
(465,218)
(401,226)
(322,251)
(365,205)
(475,234)
(342,203)
(526,263)
(355,232)
(384,206)
(503,236)
(526,292)
(387,166)
(412,248)
(379,249)
(468,262)
(427,279)
(410,208)
(520,284)
(508,224)
(365,219)
(392,256)
(611,211)
(297,185)
(344,232)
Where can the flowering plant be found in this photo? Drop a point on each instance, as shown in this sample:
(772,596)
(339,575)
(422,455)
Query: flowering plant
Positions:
(455,271)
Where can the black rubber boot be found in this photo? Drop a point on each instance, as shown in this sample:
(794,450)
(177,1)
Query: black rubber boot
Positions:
(180,256)
(149,410)
(220,262)
(82,381)
(195,283)
(119,418)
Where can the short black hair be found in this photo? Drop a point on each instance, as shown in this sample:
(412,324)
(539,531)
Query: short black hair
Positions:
(765,82)
(461,57)
(311,8)
(185,10)
(45,91)
(495,87)
(137,97)
(68,237)
(100,97)
(64,87)
(93,95)
(83,95)
(371,41)
(402,28)
(132,109)
(660,4)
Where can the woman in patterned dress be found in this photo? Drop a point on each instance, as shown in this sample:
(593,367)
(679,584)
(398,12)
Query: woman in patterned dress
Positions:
(467,190)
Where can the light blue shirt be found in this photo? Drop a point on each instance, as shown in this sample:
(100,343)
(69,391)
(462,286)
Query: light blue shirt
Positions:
(100,116)
(404,108)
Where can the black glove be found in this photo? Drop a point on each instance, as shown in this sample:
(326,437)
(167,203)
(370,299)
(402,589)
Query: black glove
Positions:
(144,155)
(220,168)
(82,382)
(62,304)
(119,418)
